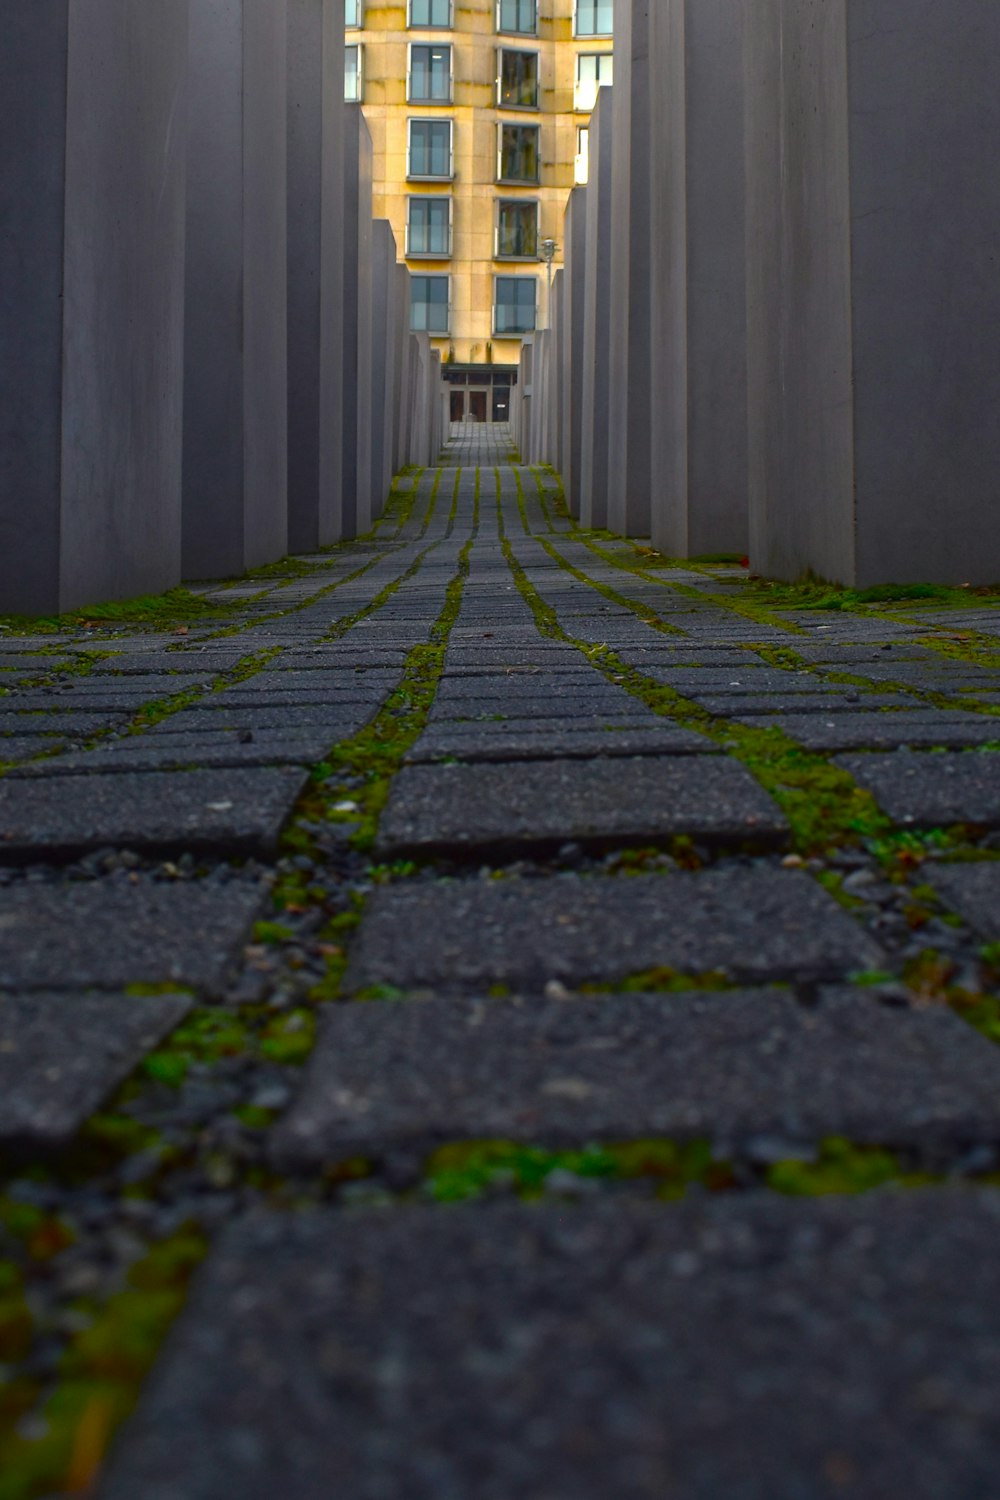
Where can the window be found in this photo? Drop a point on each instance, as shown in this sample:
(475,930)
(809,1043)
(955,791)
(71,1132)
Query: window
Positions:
(514,306)
(430,74)
(518,153)
(517,80)
(582,171)
(354,73)
(430,13)
(519,16)
(517,229)
(430,148)
(430,304)
(594,70)
(354,14)
(594,18)
(428,227)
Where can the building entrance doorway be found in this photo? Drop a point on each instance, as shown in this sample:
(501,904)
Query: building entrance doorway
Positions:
(479,393)
(477,406)
(458,406)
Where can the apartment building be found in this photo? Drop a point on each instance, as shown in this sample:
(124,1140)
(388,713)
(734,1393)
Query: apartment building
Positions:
(478,111)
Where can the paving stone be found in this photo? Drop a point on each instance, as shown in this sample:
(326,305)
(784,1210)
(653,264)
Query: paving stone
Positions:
(972,890)
(107,934)
(758,1349)
(725,1067)
(931,790)
(62,1055)
(737,704)
(569,739)
(757,923)
(502,809)
(65,723)
(232,812)
(611,706)
(858,731)
(266,747)
(335,720)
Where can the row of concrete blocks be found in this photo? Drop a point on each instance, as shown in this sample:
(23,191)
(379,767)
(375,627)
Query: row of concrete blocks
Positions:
(777,330)
(205,348)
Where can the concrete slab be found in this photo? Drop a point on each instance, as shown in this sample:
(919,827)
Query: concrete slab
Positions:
(740,1346)
(234,813)
(974,892)
(480,811)
(930,790)
(860,731)
(62,1055)
(568,739)
(756,923)
(107,934)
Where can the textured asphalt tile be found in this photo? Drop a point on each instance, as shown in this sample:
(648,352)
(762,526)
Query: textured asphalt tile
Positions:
(640,801)
(723,1066)
(930,790)
(757,923)
(62,1055)
(107,934)
(754,1348)
(234,812)
(973,890)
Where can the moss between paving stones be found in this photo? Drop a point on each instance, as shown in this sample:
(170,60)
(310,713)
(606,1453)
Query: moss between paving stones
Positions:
(100,1376)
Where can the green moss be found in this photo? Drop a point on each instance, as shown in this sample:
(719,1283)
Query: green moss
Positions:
(842,1168)
(203,1037)
(272,933)
(460,1172)
(290,1038)
(176,607)
(664,981)
(99,1378)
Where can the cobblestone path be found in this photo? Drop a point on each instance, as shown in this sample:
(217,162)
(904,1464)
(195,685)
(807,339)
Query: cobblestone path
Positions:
(551,996)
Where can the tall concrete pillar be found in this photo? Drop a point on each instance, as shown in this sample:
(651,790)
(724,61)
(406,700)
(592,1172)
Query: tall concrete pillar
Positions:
(315,271)
(873,134)
(527,383)
(358,323)
(383,353)
(402,370)
(597,328)
(553,419)
(698,294)
(630,351)
(575,242)
(92,168)
(236,329)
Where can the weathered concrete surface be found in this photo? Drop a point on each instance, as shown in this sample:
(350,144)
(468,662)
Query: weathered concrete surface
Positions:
(236,327)
(872,289)
(694,160)
(93,103)
(358,324)
(571,414)
(596,395)
(315,271)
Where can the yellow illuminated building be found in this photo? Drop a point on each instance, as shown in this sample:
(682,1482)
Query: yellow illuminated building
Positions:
(478,111)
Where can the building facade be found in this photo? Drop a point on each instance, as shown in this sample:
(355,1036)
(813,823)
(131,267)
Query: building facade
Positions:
(478,111)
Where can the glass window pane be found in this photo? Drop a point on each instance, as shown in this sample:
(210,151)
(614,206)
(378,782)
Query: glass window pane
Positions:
(430,304)
(354,13)
(429,225)
(430,148)
(515,304)
(430,74)
(430,12)
(594,17)
(519,153)
(519,15)
(517,230)
(352,74)
(519,79)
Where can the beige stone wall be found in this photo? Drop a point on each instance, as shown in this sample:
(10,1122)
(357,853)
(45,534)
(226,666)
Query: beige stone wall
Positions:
(474,191)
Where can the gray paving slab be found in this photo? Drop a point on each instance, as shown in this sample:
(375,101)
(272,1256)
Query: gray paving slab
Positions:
(509,685)
(972,890)
(61,722)
(737,704)
(265,747)
(880,731)
(14,747)
(238,812)
(929,790)
(502,809)
(107,934)
(725,1067)
(62,1055)
(335,719)
(609,705)
(756,923)
(752,1348)
(568,739)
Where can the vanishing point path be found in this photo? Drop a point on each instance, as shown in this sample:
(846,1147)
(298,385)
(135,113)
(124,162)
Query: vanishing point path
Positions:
(488,1014)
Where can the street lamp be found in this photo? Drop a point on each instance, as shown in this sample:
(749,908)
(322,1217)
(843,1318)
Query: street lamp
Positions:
(549,250)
